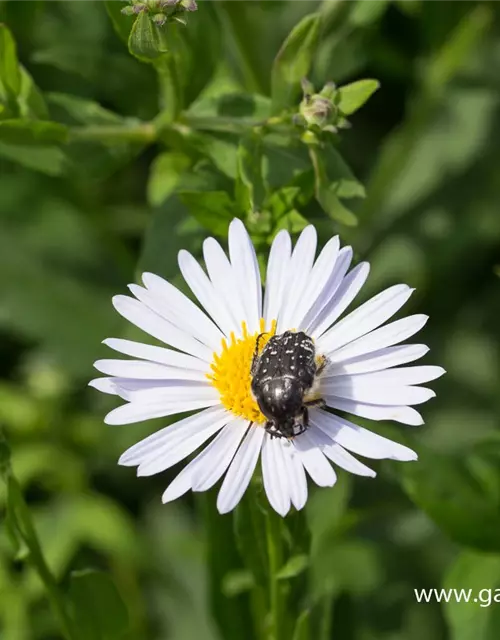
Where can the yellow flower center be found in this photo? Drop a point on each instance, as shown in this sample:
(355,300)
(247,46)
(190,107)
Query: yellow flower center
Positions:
(231,372)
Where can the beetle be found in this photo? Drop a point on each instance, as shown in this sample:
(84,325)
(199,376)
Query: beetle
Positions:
(282,376)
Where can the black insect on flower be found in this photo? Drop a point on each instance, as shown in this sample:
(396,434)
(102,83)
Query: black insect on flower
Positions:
(282,376)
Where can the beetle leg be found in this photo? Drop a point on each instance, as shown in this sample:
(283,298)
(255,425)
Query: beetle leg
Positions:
(321,362)
(317,402)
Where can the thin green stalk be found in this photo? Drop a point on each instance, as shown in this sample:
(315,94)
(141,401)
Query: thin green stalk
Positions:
(144,132)
(21,522)
(326,619)
(275,556)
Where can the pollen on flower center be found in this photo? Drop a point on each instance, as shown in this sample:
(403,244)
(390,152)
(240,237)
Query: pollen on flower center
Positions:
(231,372)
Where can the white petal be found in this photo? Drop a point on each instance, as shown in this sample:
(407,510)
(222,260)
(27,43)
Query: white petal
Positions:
(392,333)
(246,270)
(147,370)
(173,305)
(183,428)
(219,455)
(378,360)
(168,391)
(223,279)
(156,354)
(298,276)
(124,386)
(181,484)
(178,448)
(319,279)
(359,440)
(275,476)
(211,463)
(297,481)
(205,292)
(317,319)
(105,385)
(314,461)
(345,294)
(351,388)
(399,376)
(137,412)
(241,470)
(405,415)
(143,317)
(367,317)
(277,274)
(338,455)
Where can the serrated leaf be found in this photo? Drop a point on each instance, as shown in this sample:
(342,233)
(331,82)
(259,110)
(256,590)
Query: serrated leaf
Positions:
(164,176)
(352,97)
(294,567)
(293,62)
(147,41)
(98,609)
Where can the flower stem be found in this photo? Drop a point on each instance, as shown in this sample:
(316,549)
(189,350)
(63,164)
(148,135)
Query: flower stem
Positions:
(275,556)
(144,132)
(22,531)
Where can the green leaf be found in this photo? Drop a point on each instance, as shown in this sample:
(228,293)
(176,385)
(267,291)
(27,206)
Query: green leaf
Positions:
(30,99)
(457,48)
(329,188)
(365,13)
(237,582)
(302,626)
(121,23)
(293,62)
(32,132)
(98,609)
(353,96)
(10,75)
(48,160)
(293,222)
(458,495)
(340,178)
(213,209)
(250,190)
(295,566)
(480,618)
(250,533)
(147,41)
(164,176)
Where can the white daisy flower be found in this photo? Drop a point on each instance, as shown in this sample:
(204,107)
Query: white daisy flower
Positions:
(356,360)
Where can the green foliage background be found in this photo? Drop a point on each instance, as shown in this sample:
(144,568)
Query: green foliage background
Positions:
(109,164)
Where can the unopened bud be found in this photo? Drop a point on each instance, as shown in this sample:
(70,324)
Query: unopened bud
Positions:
(159,19)
(317,111)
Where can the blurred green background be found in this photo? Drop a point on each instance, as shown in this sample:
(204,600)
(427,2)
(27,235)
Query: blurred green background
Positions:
(80,219)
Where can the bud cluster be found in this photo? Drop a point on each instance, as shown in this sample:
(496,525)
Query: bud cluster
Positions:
(161,10)
(319,111)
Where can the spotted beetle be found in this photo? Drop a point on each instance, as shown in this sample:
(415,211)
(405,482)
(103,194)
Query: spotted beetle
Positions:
(282,375)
